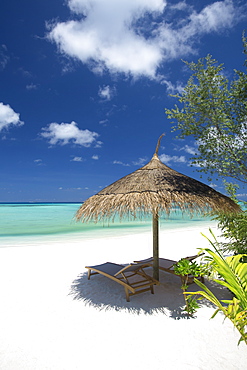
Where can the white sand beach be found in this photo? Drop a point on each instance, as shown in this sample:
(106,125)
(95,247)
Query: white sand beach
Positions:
(52,317)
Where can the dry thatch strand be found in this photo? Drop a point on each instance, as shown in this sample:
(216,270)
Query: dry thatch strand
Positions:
(154,188)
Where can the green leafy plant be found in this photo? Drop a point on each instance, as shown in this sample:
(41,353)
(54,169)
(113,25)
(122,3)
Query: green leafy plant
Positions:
(233,271)
(187,270)
(233,228)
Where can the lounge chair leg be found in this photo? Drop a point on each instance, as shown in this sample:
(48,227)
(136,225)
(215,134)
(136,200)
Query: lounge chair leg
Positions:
(88,274)
(127,294)
(152,289)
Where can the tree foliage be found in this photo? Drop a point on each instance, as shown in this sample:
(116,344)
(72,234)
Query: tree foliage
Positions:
(213,110)
(234,231)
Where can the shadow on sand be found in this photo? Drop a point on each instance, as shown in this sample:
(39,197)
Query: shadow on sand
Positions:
(105,294)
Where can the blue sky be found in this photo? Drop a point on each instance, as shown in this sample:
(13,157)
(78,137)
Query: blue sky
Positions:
(84,84)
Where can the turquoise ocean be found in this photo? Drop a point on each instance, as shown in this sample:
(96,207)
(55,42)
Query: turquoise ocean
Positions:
(19,221)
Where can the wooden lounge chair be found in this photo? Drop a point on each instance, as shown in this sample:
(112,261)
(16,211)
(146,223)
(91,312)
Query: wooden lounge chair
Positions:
(132,277)
(168,266)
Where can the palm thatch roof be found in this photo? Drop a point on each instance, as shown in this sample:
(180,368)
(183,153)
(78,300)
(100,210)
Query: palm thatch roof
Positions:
(154,188)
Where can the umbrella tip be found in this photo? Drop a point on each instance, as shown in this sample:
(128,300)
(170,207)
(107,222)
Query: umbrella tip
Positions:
(158,144)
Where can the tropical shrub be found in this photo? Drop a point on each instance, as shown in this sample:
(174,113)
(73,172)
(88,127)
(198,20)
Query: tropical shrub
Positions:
(234,230)
(187,270)
(233,271)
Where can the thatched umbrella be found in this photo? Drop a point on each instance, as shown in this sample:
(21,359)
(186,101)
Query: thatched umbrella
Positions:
(153,189)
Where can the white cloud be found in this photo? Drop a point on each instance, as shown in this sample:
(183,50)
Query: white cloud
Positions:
(69,189)
(95,157)
(8,117)
(173,89)
(214,186)
(3,57)
(202,164)
(31,86)
(121,163)
(242,194)
(98,144)
(213,17)
(189,149)
(106,92)
(77,159)
(140,162)
(167,159)
(182,5)
(65,133)
(104,122)
(39,162)
(136,37)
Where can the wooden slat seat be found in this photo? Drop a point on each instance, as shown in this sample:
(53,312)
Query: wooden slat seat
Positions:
(132,276)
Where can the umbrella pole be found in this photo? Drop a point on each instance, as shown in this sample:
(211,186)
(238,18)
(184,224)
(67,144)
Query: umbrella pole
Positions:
(156,245)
